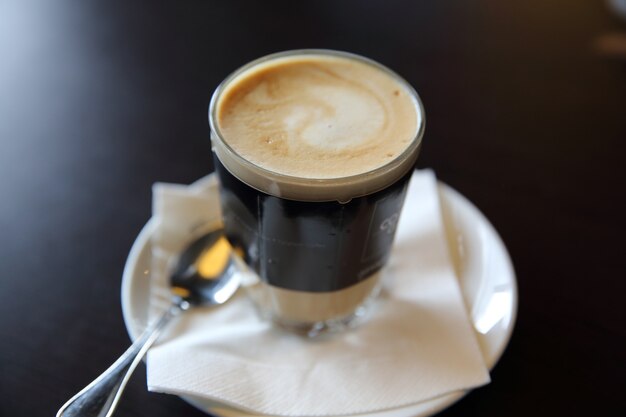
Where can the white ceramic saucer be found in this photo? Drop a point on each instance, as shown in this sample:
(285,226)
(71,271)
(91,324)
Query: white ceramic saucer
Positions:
(480,259)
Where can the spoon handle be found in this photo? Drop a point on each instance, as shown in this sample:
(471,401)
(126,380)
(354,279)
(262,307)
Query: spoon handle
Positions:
(100,397)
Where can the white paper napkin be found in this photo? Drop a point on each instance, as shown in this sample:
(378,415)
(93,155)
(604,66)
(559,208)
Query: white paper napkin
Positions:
(417,345)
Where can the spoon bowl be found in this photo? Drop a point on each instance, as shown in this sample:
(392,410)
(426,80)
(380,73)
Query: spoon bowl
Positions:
(206,272)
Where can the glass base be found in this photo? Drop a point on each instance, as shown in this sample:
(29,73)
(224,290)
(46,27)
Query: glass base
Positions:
(313,329)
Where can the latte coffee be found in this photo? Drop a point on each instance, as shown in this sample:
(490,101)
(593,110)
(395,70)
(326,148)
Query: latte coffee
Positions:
(314,150)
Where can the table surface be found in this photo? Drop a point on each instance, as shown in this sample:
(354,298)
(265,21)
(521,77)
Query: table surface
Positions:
(526,117)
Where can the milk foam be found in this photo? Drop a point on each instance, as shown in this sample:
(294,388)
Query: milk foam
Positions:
(317,116)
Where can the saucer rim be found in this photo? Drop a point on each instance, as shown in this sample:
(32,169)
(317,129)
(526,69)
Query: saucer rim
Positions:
(452,197)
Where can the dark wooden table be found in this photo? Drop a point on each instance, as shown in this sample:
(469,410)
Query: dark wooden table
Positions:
(526,117)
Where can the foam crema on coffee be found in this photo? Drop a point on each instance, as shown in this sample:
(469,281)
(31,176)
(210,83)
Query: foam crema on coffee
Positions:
(316,126)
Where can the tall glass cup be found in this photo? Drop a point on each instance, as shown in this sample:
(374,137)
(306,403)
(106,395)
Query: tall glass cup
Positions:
(314,150)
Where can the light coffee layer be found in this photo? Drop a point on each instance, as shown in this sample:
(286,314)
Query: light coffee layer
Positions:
(301,307)
(309,126)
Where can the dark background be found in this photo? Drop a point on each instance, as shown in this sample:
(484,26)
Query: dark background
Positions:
(525,116)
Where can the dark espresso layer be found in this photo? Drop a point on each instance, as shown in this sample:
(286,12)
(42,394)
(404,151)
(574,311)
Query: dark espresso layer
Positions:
(310,246)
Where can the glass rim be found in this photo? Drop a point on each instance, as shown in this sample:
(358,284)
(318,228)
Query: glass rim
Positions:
(216,133)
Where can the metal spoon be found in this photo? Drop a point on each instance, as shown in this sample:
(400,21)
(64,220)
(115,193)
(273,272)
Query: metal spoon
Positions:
(205,274)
